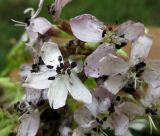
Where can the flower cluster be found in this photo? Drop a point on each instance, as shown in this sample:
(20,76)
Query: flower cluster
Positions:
(108,89)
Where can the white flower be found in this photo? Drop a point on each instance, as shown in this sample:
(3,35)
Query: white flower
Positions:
(88,28)
(136,70)
(58,78)
(34,25)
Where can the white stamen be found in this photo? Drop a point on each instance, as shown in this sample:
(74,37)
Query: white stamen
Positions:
(18,22)
(29,10)
(39,9)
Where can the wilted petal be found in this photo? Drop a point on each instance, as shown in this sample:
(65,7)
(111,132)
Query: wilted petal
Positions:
(130,109)
(131,30)
(152,96)
(83,117)
(87,28)
(58,5)
(40,25)
(39,80)
(29,124)
(119,122)
(140,49)
(114,84)
(92,65)
(77,89)
(50,54)
(151,73)
(113,65)
(57,93)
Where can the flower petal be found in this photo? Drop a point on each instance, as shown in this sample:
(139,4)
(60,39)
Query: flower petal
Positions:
(130,109)
(58,5)
(93,107)
(114,84)
(131,30)
(104,105)
(40,25)
(65,131)
(32,36)
(119,122)
(113,65)
(25,70)
(151,73)
(140,49)
(83,117)
(152,96)
(81,131)
(77,89)
(39,80)
(50,54)
(87,28)
(92,65)
(33,95)
(57,93)
(29,124)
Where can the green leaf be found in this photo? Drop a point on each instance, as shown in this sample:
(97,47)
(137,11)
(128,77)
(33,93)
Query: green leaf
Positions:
(90,83)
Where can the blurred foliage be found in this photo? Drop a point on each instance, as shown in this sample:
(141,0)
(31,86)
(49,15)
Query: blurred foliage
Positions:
(10,93)
(7,123)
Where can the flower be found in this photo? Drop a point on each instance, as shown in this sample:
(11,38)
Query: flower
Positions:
(58,78)
(135,76)
(118,120)
(34,25)
(88,28)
